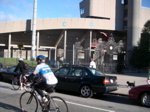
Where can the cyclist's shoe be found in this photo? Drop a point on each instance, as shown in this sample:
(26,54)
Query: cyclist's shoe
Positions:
(25,88)
(44,99)
(21,88)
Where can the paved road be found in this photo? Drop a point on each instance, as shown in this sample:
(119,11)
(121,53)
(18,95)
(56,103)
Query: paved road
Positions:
(9,98)
(139,78)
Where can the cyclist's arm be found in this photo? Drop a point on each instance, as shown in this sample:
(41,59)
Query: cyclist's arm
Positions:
(36,71)
(17,68)
(30,77)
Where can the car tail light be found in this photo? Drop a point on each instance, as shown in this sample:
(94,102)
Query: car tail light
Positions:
(106,81)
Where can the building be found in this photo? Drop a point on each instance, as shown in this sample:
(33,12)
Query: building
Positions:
(56,37)
(126,16)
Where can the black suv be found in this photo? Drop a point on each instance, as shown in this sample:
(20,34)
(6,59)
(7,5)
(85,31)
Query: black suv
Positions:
(85,80)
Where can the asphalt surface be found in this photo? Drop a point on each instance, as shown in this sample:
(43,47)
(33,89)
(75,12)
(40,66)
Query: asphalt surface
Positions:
(139,78)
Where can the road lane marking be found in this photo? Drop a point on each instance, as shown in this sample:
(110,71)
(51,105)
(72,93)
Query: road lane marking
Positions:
(89,106)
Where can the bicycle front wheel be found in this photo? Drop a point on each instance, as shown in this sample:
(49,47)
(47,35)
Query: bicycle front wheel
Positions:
(28,102)
(57,104)
(16,82)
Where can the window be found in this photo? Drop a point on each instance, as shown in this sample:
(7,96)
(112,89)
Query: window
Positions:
(82,10)
(62,71)
(85,73)
(95,72)
(76,72)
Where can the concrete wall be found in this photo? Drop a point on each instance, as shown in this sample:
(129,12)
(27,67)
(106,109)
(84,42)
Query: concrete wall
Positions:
(64,23)
(145,16)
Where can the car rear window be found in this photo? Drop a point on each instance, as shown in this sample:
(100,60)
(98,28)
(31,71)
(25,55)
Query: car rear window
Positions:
(96,72)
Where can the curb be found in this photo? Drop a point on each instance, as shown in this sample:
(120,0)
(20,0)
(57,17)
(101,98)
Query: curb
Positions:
(119,94)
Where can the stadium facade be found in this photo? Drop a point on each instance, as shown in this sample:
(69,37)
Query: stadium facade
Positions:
(56,38)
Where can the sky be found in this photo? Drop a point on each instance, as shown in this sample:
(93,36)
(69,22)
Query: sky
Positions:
(15,10)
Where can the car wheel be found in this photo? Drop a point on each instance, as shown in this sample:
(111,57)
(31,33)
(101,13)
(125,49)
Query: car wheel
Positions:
(1,77)
(86,91)
(145,99)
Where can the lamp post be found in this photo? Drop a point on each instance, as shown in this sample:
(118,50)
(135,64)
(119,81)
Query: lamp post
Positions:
(34,31)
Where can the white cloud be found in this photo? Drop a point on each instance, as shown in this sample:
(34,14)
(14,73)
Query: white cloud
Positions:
(6,17)
(14,10)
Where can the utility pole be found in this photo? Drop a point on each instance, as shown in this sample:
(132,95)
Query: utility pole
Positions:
(34,30)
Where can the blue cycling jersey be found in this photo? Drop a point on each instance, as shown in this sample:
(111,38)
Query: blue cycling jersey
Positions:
(46,73)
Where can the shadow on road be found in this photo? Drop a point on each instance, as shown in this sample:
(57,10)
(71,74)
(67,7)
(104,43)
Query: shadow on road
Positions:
(106,97)
(9,108)
(117,99)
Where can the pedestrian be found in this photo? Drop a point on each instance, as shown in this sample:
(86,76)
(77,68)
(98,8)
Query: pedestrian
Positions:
(148,78)
(21,68)
(92,63)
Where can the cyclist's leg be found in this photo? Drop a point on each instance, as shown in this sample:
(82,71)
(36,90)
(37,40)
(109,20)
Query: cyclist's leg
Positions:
(40,87)
(25,77)
(21,81)
(50,88)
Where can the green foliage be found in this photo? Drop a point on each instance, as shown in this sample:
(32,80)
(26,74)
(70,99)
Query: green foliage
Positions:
(146,28)
(141,54)
(14,61)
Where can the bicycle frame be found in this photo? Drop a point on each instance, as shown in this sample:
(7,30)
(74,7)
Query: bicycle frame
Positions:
(51,104)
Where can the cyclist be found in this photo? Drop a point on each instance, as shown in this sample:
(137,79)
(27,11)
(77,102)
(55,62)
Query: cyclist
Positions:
(24,72)
(46,78)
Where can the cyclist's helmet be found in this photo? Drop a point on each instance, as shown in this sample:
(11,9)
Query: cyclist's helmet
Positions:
(20,59)
(41,58)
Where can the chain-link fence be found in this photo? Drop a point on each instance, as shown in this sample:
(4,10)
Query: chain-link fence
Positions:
(105,67)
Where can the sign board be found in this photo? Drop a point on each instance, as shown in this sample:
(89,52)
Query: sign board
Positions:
(20,45)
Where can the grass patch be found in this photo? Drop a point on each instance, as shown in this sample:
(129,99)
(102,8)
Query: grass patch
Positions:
(8,62)
(14,61)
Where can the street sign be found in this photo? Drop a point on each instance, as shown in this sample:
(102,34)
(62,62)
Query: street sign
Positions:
(20,45)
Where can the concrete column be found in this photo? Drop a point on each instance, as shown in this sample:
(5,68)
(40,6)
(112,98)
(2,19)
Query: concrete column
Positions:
(55,50)
(49,54)
(90,44)
(9,45)
(26,54)
(37,44)
(87,46)
(133,28)
(65,41)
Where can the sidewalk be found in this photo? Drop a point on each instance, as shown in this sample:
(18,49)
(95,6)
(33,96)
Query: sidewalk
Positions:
(139,78)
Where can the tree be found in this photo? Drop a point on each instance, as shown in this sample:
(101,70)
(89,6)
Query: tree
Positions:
(141,54)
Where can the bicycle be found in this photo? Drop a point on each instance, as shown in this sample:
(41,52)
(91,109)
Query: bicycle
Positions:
(17,79)
(29,101)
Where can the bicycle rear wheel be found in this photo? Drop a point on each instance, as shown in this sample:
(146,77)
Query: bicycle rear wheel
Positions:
(57,104)
(28,102)
(16,82)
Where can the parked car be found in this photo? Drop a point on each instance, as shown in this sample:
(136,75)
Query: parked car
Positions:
(84,80)
(141,93)
(7,74)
